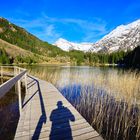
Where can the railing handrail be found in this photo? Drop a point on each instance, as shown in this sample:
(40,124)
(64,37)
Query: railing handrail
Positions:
(6,86)
(12,67)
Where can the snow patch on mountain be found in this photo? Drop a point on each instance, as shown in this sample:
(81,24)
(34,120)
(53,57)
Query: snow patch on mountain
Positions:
(67,46)
(124,37)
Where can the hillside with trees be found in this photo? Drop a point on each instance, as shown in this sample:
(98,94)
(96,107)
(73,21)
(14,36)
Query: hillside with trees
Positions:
(132,59)
(18,55)
(20,37)
(105,58)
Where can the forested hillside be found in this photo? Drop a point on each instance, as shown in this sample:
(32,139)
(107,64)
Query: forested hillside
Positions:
(132,59)
(20,37)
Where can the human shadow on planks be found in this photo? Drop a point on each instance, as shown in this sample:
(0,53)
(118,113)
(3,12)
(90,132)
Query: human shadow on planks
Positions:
(61,117)
(43,118)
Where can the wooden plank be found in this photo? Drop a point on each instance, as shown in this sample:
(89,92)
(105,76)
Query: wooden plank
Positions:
(76,122)
(47,114)
(47,129)
(48,125)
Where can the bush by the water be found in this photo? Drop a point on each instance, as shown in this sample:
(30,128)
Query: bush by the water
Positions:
(4,58)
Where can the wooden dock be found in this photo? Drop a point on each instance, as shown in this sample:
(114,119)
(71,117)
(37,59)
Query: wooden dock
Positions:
(47,115)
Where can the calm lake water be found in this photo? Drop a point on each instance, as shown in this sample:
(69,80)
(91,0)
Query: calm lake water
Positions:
(67,74)
(70,82)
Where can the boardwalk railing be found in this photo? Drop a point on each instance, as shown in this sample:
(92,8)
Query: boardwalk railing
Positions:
(17,74)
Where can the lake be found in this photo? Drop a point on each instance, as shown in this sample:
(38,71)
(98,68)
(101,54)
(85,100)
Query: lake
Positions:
(108,97)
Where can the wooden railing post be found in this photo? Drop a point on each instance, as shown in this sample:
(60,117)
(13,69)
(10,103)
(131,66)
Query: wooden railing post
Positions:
(19,93)
(25,77)
(15,74)
(1,69)
(19,96)
(1,73)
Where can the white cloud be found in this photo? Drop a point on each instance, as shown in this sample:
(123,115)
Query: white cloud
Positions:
(50,30)
(92,30)
(40,27)
(47,27)
(96,24)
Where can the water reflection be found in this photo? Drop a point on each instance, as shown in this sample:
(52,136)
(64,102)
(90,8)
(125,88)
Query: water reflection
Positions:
(9,114)
(66,74)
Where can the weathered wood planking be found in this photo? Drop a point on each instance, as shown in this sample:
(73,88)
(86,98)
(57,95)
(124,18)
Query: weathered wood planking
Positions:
(48,115)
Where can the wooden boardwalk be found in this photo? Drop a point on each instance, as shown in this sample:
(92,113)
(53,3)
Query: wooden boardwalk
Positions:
(48,115)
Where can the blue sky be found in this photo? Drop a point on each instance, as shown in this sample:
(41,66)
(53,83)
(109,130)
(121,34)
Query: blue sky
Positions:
(74,20)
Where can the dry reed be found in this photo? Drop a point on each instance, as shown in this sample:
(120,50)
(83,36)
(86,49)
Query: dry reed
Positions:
(110,102)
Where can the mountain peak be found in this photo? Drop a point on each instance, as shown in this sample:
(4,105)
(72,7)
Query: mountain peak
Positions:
(123,37)
(67,46)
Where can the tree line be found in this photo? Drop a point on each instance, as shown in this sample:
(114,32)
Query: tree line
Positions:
(129,58)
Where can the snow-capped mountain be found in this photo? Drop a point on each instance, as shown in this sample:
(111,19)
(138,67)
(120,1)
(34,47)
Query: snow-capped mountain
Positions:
(66,45)
(124,37)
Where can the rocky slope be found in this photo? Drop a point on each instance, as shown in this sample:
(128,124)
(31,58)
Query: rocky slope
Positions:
(124,37)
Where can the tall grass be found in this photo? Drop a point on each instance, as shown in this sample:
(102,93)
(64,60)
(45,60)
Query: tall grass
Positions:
(114,119)
(109,101)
